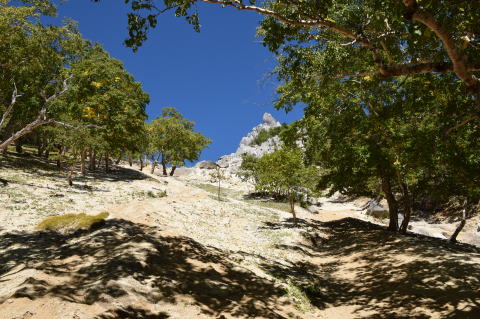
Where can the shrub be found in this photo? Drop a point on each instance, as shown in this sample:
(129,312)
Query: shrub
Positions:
(72,221)
(267,134)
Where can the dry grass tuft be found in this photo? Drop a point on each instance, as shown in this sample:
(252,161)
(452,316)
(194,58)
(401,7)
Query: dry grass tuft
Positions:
(72,221)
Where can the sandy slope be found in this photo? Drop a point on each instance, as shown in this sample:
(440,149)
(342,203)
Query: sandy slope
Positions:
(189,255)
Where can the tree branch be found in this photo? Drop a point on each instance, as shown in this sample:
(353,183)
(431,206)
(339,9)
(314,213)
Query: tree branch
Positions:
(413,12)
(8,111)
(41,117)
(301,23)
(407,69)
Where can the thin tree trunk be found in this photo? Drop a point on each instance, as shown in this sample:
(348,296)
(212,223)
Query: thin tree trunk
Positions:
(118,160)
(174,167)
(40,146)
(407,208)
(18,147)
(453,238)
(107,167)
(83,156)
(130,162)
(164,166)
(60,152)
(154,164)
(292,209)
(92,157)
(70,175)
(392,204)
(141,163)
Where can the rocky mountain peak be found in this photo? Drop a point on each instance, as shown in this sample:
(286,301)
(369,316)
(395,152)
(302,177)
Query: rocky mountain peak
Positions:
(247,145)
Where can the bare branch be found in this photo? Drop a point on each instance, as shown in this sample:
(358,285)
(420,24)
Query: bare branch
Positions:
(73,127)
(8,111)
(462,123)
(349,43)
(406,69)
(41,117)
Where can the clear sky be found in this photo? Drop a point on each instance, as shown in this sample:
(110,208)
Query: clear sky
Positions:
(217,78)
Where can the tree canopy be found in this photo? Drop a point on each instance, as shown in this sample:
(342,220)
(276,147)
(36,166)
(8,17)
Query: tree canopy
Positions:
(173,140)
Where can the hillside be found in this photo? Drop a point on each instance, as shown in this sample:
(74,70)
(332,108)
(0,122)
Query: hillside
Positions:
(189,255)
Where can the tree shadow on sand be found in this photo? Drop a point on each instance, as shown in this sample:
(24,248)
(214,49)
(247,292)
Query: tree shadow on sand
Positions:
(91,266)
(383,273)
(42,167)
(130,313)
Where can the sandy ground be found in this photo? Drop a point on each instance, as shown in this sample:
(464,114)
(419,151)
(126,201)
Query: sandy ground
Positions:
(189,255)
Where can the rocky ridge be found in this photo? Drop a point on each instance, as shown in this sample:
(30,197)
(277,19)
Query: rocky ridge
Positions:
(232,162)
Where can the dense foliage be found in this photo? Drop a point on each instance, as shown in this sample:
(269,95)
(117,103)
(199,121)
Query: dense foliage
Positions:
(266,134)
(281,173)
(173,141)
(74,102)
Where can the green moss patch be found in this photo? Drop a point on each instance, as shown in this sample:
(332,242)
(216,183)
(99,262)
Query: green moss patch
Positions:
(72,221)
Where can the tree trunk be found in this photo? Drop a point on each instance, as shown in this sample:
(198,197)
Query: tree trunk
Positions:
(47,153)
(453,238)
(91,164)
(40,146)
(70,175)
(60,152)
(292,209)
(164,167)
(107,167)
(18,147)
(118,160)
(141,163)
(174,167)
(83,156)
(407,208)
(154,164)
(392,204)
(130,162)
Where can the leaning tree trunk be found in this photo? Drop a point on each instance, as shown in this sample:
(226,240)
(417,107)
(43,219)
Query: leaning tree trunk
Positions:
(392,204)
(453,238)
(407,208)
(174,167)
(118,160)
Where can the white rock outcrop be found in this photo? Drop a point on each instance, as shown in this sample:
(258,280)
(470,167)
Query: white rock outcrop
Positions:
(232,162)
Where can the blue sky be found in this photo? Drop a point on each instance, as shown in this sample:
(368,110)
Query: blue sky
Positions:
(217,78)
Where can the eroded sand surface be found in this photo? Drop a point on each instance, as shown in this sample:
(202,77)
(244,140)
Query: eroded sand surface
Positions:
(189,255)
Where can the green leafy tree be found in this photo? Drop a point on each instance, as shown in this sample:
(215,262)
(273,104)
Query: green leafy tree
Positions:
(390,137)
(34,72)
(283,172)
(387,38)
(109,100)
(173,140)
